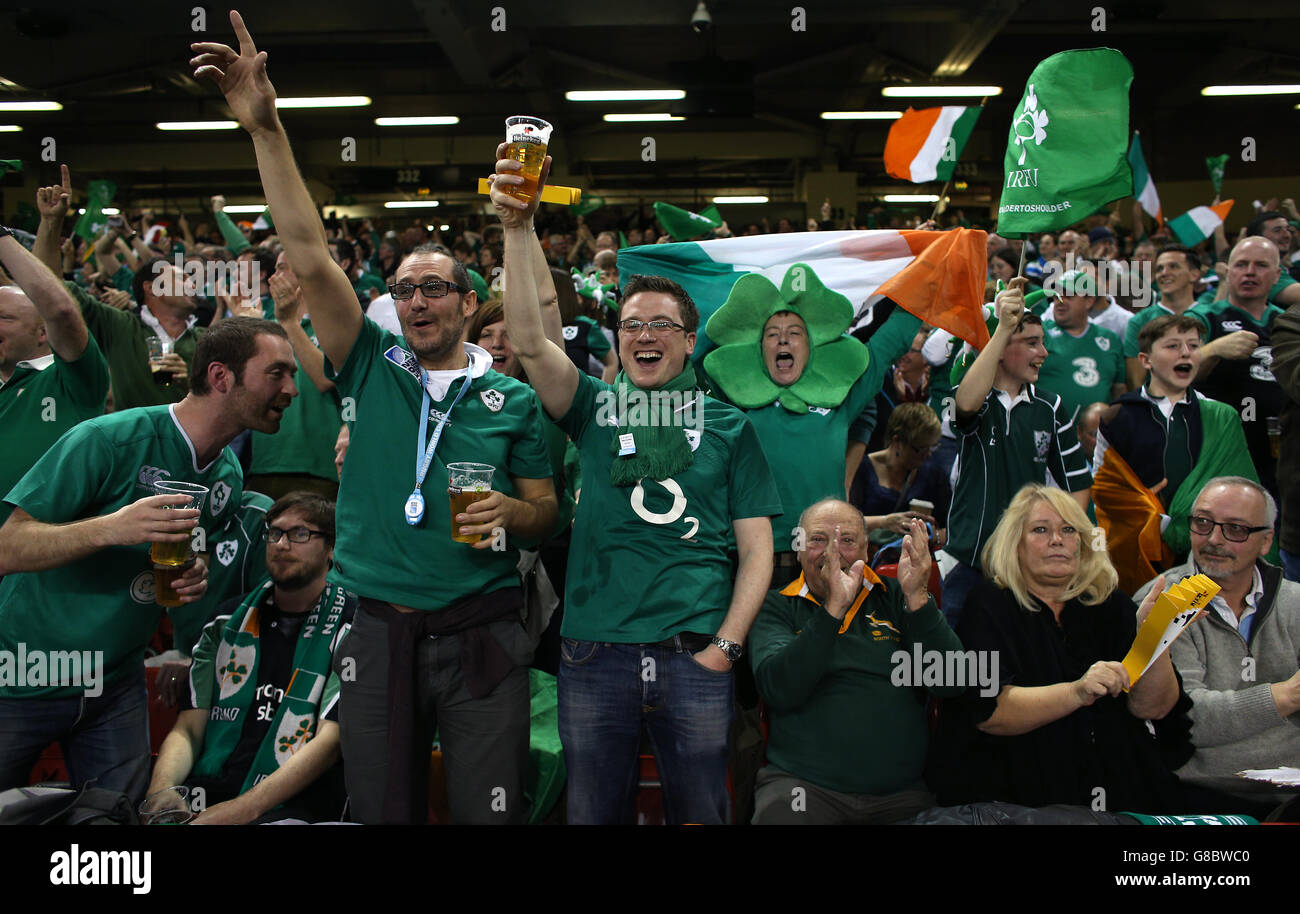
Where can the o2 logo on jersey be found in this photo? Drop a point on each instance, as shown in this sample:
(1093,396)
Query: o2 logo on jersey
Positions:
(142,589)
(672,515)
(1086,374)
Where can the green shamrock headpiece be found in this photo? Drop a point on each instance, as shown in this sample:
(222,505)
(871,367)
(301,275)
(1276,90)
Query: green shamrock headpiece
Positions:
(835,361)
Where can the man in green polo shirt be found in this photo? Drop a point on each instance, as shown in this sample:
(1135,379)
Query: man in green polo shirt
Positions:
(52,374)
(300,457)
(395,549)
(653,621)
(75,555)
(1177,269)
(1010,434)
(1085,362)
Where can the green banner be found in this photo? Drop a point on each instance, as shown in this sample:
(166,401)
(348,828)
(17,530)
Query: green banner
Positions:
(1216,164)
(99,194)
(1068,143)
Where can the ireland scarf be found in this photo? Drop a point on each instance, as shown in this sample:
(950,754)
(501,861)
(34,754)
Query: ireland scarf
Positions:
(232,650)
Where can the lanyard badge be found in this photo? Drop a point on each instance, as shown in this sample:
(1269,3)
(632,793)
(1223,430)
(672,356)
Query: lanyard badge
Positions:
(413,510)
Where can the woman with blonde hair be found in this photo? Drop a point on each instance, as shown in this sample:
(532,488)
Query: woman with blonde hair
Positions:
(1060,722)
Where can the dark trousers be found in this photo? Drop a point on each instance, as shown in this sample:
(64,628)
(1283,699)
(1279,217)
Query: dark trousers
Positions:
(484,740)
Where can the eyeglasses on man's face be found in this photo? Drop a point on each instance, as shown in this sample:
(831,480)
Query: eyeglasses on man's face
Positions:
(656,327)
(295,534)
(1234,533)
(434,288)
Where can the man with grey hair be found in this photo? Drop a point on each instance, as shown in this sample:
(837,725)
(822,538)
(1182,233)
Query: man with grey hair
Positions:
(848,736)
(1239,664)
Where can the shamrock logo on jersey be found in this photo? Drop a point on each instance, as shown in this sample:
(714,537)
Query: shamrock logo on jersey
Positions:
(1041,442)
(226,551)
(1103,344)
(570,333)
(693,438)
(220,492)
(142,588)
(233,667)
(493,400)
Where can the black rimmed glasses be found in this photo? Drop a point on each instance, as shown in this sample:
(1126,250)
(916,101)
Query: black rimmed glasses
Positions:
(1233,533)
(434,288)
(295,534)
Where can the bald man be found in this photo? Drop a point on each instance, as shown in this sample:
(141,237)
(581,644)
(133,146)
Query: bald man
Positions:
(52,375)
(1236,360)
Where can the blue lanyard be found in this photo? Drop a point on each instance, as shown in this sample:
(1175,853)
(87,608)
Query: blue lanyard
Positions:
(424,453)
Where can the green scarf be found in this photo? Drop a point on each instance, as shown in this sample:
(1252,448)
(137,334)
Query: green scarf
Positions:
(1223,453)
(237,657)
(659,437)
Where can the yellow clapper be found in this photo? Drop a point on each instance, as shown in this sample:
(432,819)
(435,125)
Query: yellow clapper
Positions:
(1174,610)
(551,193)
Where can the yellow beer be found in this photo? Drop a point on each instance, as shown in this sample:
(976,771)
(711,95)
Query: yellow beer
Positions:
(461,499)
(164,582)
(527,139)
(171,553)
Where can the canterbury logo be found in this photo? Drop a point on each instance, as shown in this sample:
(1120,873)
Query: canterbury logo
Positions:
(149,475)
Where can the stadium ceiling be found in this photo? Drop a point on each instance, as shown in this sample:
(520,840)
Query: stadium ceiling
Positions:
(756,82)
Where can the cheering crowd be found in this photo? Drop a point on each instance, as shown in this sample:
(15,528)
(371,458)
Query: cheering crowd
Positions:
(905,569)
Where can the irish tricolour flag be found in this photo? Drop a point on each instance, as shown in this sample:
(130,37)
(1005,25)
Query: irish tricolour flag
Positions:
(925,145)
(1144,189)
(1199,222)
(938,276)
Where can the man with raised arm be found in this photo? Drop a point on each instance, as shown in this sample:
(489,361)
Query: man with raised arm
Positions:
(437,640)
(653,621)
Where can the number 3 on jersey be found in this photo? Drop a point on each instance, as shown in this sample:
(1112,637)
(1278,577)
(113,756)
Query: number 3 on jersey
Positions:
(672,514)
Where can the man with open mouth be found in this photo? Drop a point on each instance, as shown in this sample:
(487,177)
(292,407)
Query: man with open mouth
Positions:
(673,481)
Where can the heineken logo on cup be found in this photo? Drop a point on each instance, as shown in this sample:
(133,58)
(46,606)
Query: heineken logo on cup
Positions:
(1032,120)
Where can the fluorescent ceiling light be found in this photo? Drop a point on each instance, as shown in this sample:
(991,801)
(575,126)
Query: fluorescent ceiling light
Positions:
(246,208)
(911,198)
(197,125)
(940,91)
(639,118)
(324,101)
(430,120)
(445,228)
(1250,90)
(410,204)
(625,95)
(861,115)
(10,128)
(111,211)
(740,199)
(30,106)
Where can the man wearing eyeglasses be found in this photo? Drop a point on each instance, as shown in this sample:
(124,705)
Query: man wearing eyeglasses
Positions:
(438,641)
(258,728)
(1239,664)
(652,621)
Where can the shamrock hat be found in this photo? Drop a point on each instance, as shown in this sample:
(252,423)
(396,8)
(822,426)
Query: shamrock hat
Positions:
(591,287)
(835,361)
(684,225)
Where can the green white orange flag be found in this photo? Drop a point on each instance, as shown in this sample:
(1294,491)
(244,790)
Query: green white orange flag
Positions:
(1144,189)
(938,276)
(1199,222)
(925,145)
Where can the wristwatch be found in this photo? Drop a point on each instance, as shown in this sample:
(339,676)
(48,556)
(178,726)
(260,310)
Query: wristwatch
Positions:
(732,649)
(4,231)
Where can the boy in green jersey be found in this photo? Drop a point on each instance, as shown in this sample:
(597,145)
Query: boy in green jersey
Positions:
(395,548)
(75,553)
(653,621)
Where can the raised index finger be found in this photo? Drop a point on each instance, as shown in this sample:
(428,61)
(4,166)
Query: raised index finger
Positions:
(246,46)
(67,180)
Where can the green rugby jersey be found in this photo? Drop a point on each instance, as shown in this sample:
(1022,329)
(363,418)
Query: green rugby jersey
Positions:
(1082,369)
(42,399)
(652,560)
(498,422)
(104,601)
(1007,444)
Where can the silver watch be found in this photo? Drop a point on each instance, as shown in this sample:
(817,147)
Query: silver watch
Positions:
(732,649)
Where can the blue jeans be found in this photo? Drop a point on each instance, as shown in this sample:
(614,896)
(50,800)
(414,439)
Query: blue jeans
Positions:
(608,694)
(1290,565)
(956,586)
(105,739)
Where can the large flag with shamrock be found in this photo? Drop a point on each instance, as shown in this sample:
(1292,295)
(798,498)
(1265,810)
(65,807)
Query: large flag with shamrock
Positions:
(1068,143)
